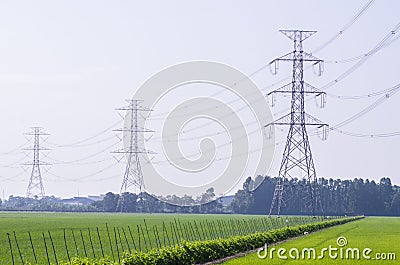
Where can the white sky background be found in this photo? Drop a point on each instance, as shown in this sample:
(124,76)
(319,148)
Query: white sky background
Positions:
(66,66)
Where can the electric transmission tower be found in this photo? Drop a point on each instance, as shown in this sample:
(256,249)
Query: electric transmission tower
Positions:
(133,175)
(297,159)
(35,187)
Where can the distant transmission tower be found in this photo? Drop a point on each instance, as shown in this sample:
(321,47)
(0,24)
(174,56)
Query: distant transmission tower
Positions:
(297,156)
(35,187)
(133,175)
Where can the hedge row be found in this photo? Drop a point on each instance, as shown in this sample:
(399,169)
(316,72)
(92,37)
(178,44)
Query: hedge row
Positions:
(209,250)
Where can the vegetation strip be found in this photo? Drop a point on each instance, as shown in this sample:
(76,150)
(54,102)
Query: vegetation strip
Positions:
(205,251)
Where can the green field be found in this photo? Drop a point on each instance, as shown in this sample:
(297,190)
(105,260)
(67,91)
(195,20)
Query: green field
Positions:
(380,234)
(122,235)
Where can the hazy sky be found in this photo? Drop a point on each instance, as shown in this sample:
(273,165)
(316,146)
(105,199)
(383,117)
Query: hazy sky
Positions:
(67,65)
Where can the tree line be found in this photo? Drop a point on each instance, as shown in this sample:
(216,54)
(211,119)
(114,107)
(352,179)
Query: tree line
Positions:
(338,197)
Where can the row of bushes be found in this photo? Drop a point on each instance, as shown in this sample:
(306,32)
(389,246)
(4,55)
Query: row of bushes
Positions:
(206,251)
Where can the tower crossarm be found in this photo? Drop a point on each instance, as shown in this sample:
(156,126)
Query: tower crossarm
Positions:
(287,120)
(307,89)
(292,56)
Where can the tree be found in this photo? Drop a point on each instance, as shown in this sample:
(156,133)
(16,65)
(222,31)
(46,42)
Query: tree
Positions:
(243,200)
(110,202)
(208,202)
(395,207)
(130,202)
(262,195)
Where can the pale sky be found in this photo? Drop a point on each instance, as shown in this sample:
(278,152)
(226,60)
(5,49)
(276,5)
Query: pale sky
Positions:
(67,65)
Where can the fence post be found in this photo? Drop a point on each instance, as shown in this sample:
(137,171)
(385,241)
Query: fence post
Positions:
(155,236)
(19,250)
(133,240)
(45,246)
(164,231)
(33,248)
(192,232)
(11,251)
(138,231)
(197,230)
(205,237)
(109,240)
(101,244)
(173,232)
(76,245)
(210,232)
(147,232)
(116,244)
(66,247)
(144,238)
(180,227)
(91,243)
(120,240)
(158,236)
(52,245)
(228,231)
(185,230)
(83,243)
(126,239)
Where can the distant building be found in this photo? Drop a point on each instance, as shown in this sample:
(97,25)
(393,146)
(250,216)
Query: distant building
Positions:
(83,200)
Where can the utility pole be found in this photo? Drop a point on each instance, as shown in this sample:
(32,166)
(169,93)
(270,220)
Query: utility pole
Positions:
(133,175)
(35,187)
(297,155)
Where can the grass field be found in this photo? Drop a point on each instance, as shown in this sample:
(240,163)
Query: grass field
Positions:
(83,239)
(380,234)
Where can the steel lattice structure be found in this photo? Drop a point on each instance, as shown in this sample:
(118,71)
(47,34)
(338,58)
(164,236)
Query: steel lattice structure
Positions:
(133,175)
(297,155)
(35,187)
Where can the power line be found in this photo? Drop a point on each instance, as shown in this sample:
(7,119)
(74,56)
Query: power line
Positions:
(370,53)
(15,149)
(58,162)
(88,138)
(346,26)
(369,108)
(84,145)
(77,161)
(370,95)
(11,165)
(391,90)
(365,111)
(86,176)
(374,94)
(12,178)
(356,58)
(369,135)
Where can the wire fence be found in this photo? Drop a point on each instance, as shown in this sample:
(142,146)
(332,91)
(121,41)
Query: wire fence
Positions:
(61,245)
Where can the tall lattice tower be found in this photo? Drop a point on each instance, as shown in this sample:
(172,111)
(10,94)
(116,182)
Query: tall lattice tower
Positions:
(133,175)
(297,158)
(35,187)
